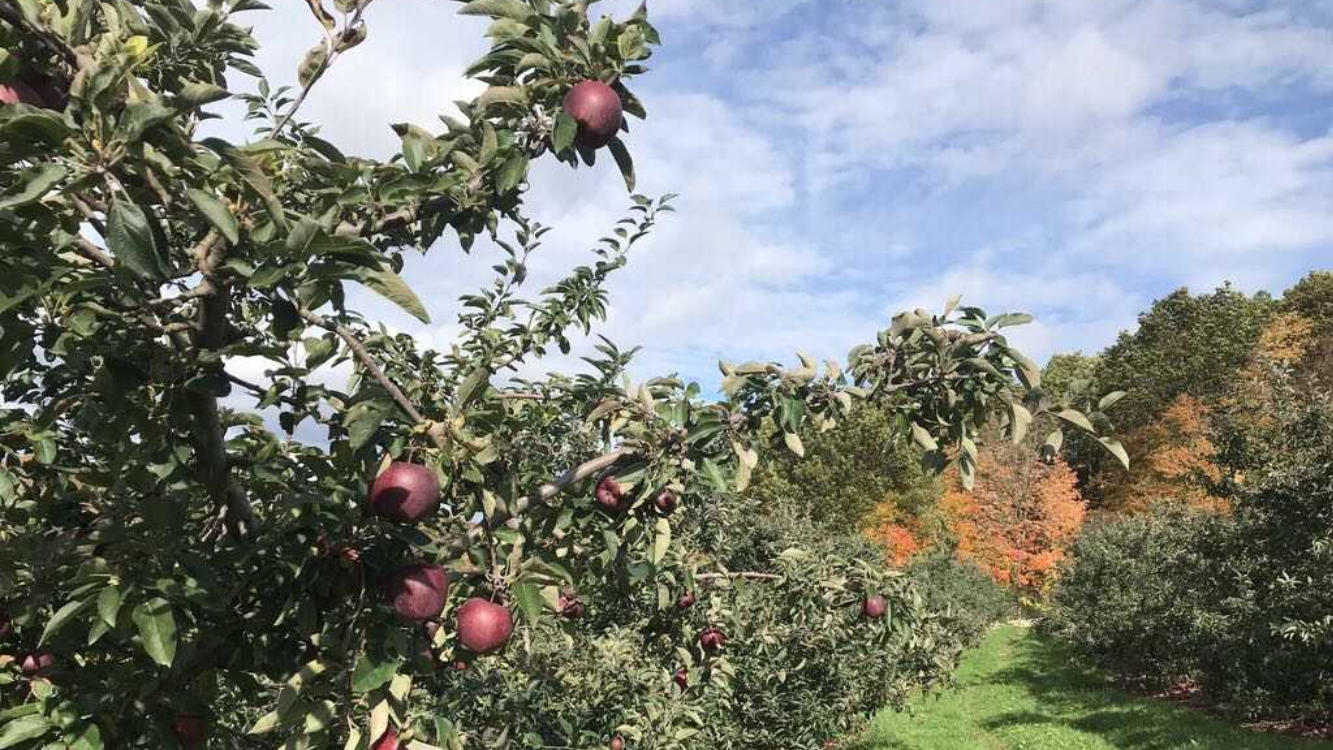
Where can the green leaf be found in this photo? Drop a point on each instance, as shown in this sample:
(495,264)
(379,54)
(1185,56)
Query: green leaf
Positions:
(923,438)
(88,738)
(157,630)
(63,617)
(1021,418)
(195,94)
(661,541)
(515,9)
(1110,399)
(108,605)
(266,723)
(624,161)
(1077,419)
(22,730)
(392,287)
(312,65)
(216,212)
(373,672)
(512,172)
(37,182)
(131,239)
(529,598)
(503,95)
(566,129)
(364,419)
(794,443)
(1114,447)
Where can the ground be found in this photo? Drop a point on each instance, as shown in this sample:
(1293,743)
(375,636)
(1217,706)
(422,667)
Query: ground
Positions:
(1018,691)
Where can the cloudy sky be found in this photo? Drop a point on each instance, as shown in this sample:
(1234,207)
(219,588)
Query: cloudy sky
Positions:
(840,160)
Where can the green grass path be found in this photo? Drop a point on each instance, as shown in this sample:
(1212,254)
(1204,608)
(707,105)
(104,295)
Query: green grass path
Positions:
(1018,691)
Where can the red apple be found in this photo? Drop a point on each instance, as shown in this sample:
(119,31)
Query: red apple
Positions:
(484,626)
(610,494)
(419,591)
(32,665)
(387,741)
(460,665)
(571,606)
(685,600)
(189,729)
(874,607)
(405,492)
(617,743)
(682,678)
(712,638)
(597,109)
(666,502)
(18,91)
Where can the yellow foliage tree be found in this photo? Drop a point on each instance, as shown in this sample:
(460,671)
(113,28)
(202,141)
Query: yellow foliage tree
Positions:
(1174,462)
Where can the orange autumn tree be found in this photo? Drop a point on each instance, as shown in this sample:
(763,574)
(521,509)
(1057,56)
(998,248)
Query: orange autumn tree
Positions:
(1174,462)
(1019,518)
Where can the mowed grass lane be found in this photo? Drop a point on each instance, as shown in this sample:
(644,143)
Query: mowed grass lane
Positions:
(1018,691)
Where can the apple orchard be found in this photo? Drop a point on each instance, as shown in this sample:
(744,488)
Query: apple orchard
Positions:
(467,559)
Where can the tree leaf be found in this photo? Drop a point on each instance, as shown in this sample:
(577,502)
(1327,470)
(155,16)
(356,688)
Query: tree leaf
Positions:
(372,672)
(624,161)
(63,617)
(393,288)
(1114,447)
(1077,419)
(1110,399)
(157,629)
(515,9)
(661,540)
(923,438)
(37,182)
(566,129)
(216,212)
(512,172)
(108,605)
(131,239)
(794,443)
(23,729)
(529,598)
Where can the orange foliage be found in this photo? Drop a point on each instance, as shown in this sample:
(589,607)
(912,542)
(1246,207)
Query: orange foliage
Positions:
(1173,462)
(900,535)
(1019,518)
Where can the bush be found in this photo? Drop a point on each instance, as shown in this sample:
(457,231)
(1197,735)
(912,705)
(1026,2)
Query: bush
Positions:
(1136,594)
(964,593)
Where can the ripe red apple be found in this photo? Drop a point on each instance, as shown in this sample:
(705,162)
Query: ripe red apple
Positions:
(666,502)
(460,665)
(418,591)
(387,741)
(685,600)
(484,626)
(32,665)
(682,678)
(874,607)
(405,492)
(610,494)
(597,109)
(189,729)
(617,743)
(712,638)
(18,91)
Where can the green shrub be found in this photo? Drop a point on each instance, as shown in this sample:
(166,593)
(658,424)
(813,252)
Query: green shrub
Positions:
(963,592)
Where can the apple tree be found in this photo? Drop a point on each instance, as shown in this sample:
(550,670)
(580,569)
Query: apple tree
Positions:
(462,558)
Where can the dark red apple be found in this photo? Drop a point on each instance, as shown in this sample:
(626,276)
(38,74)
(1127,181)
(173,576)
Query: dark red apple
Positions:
(32,665)
(597,109)
(419,591)
(6,626)
(484,626)
(610,494)
(685,600)
(460,665)
(617,743)
(405,492)
(571,606)
(189,729)
(712,638)
(666,502)
(682,678)
(18,91)
(387,741)
(875,606)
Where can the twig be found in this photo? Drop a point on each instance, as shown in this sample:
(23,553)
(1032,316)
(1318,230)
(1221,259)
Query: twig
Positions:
(54,43)
(92,252)
(364,357)
(745,576)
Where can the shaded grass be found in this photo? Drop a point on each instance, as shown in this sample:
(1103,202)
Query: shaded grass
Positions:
(1018,691)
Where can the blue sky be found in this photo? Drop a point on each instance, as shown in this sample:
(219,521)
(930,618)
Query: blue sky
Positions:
(840,160)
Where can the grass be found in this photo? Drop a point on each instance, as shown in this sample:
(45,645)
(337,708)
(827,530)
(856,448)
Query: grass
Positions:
(1018,691)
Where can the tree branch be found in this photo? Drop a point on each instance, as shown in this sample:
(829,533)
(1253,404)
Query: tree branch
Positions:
(367,361)
(745,576)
